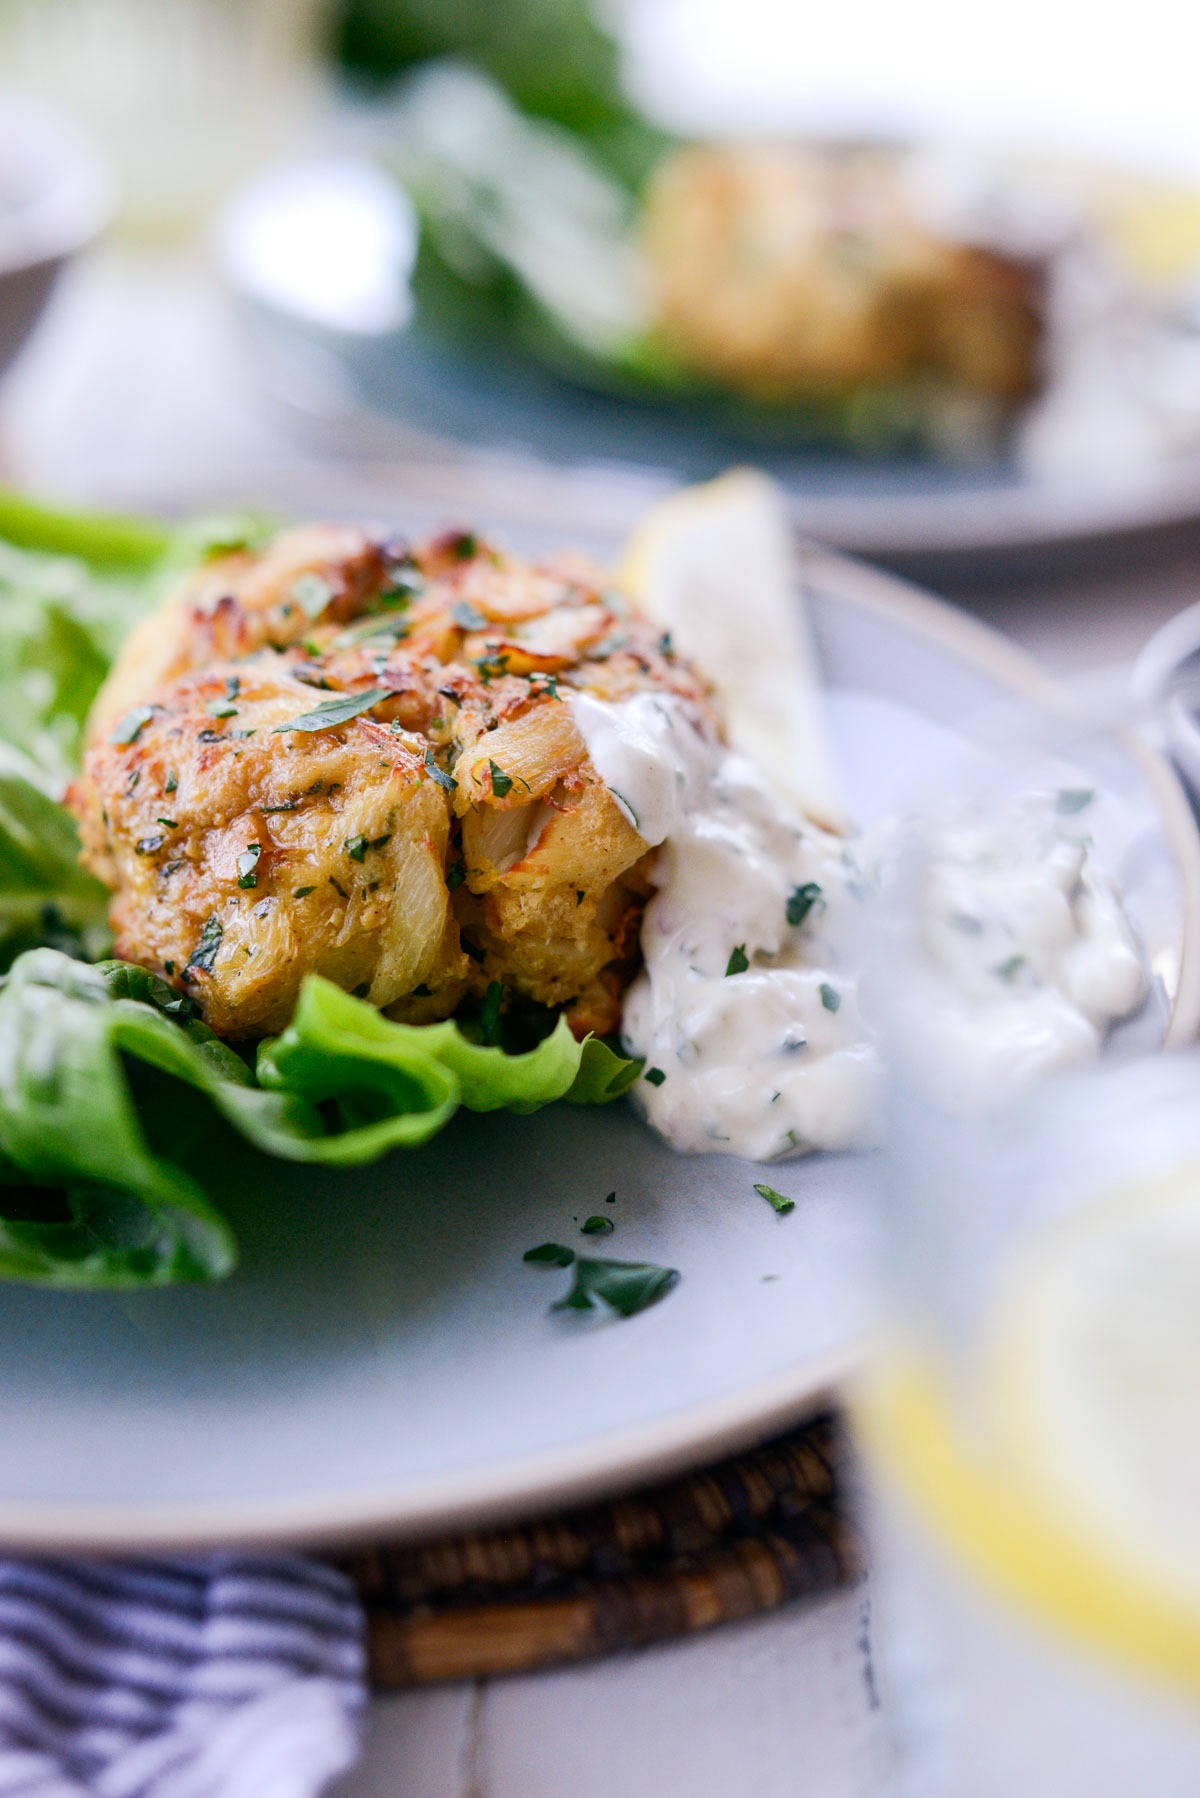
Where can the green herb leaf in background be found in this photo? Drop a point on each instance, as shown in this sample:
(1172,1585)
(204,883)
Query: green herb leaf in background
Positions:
(553,58)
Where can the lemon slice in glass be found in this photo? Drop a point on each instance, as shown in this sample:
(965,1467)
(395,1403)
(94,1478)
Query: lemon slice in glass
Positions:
(1062,1470)
(1094,1349)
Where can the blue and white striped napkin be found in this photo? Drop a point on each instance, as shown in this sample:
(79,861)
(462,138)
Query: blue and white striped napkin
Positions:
(223,1676)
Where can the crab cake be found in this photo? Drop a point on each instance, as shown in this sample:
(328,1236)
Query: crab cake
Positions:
(794,273)
(244,854)
(347,757)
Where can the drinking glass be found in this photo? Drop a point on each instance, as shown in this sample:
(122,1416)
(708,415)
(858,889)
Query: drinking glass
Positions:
(1028,1414)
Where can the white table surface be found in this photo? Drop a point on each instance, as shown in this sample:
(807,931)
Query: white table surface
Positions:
(135,384)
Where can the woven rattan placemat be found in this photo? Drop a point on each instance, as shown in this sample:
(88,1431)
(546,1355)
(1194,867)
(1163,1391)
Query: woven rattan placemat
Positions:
(749,1534)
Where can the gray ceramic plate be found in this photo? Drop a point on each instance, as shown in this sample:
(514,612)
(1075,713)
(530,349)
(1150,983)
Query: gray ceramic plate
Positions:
(385,1362)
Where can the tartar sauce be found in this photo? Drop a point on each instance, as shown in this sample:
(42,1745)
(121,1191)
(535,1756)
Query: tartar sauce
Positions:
(759,1044)
(1028,954)
(747,1009)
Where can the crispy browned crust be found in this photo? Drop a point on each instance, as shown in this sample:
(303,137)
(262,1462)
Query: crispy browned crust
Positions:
(455,835)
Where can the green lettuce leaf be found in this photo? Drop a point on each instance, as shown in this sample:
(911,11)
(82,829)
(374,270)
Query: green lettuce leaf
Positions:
(45,896)
(71,586)
(68,1122)
(102,540)
(107,1076)
(93,1190)
(335,1040)
(604,1074)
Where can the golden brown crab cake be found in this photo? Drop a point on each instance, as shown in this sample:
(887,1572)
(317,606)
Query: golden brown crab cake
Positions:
(475,655)
(795,273)
(245,855)
(545,904)
(235,604)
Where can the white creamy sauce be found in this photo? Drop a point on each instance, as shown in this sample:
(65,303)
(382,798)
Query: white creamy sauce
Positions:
(751,1015)
(1029,956)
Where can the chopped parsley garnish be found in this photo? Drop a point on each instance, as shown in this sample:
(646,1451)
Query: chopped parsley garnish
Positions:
(464,546)
(626,807)
(205,953)
(357,846)
(802,901)
(455,875)
(579,897)
(610,1198)
(491,667)
(437,774)
(501,782)
(338,887)
(290,806)
(778,1201)
(489,1016)
(132,725)
(401,591)
(368,628)
(830,997)
(655,1076)
(1073,799)
(597,1226)
(168,823)
(247,865)
(233,686)
(171,868)
(168,967)
(1008,970)
(312,595)
(172,781)
(549,1254)
(738,961)
(302,892)
(335,711)
(221,708)
(211,736)
(148,845)
(626,1287)
(548,689)
(468,617)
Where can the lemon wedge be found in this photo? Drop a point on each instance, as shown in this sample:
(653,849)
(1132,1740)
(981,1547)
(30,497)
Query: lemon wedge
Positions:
(715,566)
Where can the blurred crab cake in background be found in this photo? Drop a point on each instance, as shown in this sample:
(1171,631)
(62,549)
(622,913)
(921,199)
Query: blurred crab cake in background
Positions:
(345,756)
(796,273)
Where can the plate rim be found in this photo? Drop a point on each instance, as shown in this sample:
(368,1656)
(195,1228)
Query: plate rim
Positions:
(618,1460)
